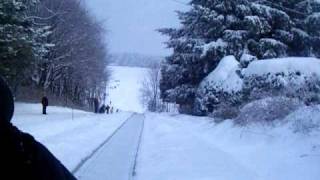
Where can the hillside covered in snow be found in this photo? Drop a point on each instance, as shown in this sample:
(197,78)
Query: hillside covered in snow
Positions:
(124,88)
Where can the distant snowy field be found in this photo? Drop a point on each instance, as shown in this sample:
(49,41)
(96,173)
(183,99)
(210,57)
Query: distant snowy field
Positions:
(69,136)
(176,147)
(124,88)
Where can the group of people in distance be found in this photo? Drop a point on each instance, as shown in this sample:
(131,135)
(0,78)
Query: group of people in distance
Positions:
(97,108)
(103,108)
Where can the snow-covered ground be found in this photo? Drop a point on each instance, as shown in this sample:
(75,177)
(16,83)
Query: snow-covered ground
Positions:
(124,88)
(70,136)
(179,147)
(184,147)
(115,159)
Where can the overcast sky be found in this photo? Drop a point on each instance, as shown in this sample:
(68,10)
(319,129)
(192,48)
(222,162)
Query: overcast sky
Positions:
(131,24)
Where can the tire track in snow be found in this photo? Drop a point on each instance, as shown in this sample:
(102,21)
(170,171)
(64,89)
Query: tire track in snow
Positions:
(116,158)
(76,169)
(133,171)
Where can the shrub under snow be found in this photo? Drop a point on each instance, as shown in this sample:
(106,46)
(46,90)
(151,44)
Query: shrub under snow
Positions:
(246,59)
(271,89)
(305,119)
(220,86)
(291,77)
(267,110)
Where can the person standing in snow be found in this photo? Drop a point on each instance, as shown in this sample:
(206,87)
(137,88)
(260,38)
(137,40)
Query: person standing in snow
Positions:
(45,104)
(96,105)
(21,156)
(102,109)
(108,109)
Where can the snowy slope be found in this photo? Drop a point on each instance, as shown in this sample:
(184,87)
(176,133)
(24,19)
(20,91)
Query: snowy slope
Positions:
(189,148)
(70,136)
(124,88)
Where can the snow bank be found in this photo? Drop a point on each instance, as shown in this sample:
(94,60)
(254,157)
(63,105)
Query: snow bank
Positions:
(188,148)
(267,110)
(171,149)
(305,120)
(71,135)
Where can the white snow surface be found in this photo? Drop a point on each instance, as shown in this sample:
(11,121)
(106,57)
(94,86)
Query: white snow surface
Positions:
(306,119)
(124,89)
(184,147)
(306,66)
(175,147)
(115,160)
(224,76)
(71,138)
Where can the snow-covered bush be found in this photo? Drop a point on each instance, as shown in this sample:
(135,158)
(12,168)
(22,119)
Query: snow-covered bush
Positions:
(222,86)
(223,92)
(290,77)
(246,59)
(225,111)
(267,110)
(305,119)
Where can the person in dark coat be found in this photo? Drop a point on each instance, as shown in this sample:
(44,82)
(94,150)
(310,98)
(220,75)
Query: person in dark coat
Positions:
(96,105)
(21,156)
(108,109)
(102,110)
(45,104)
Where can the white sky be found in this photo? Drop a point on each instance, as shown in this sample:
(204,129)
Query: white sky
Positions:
(131,24)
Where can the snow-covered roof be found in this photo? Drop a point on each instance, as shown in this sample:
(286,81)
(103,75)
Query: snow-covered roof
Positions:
(305,66)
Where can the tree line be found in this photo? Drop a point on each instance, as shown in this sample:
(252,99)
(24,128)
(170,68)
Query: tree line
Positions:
(55,47)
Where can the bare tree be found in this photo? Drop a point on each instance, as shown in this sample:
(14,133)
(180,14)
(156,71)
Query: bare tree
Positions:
(75,65)
(150,89)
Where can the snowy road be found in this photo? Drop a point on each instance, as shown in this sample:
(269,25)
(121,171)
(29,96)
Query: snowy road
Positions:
(116,159)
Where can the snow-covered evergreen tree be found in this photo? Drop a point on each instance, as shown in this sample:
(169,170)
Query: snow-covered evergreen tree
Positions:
(182,71)
(212,29)
(302,34)
(19,40)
